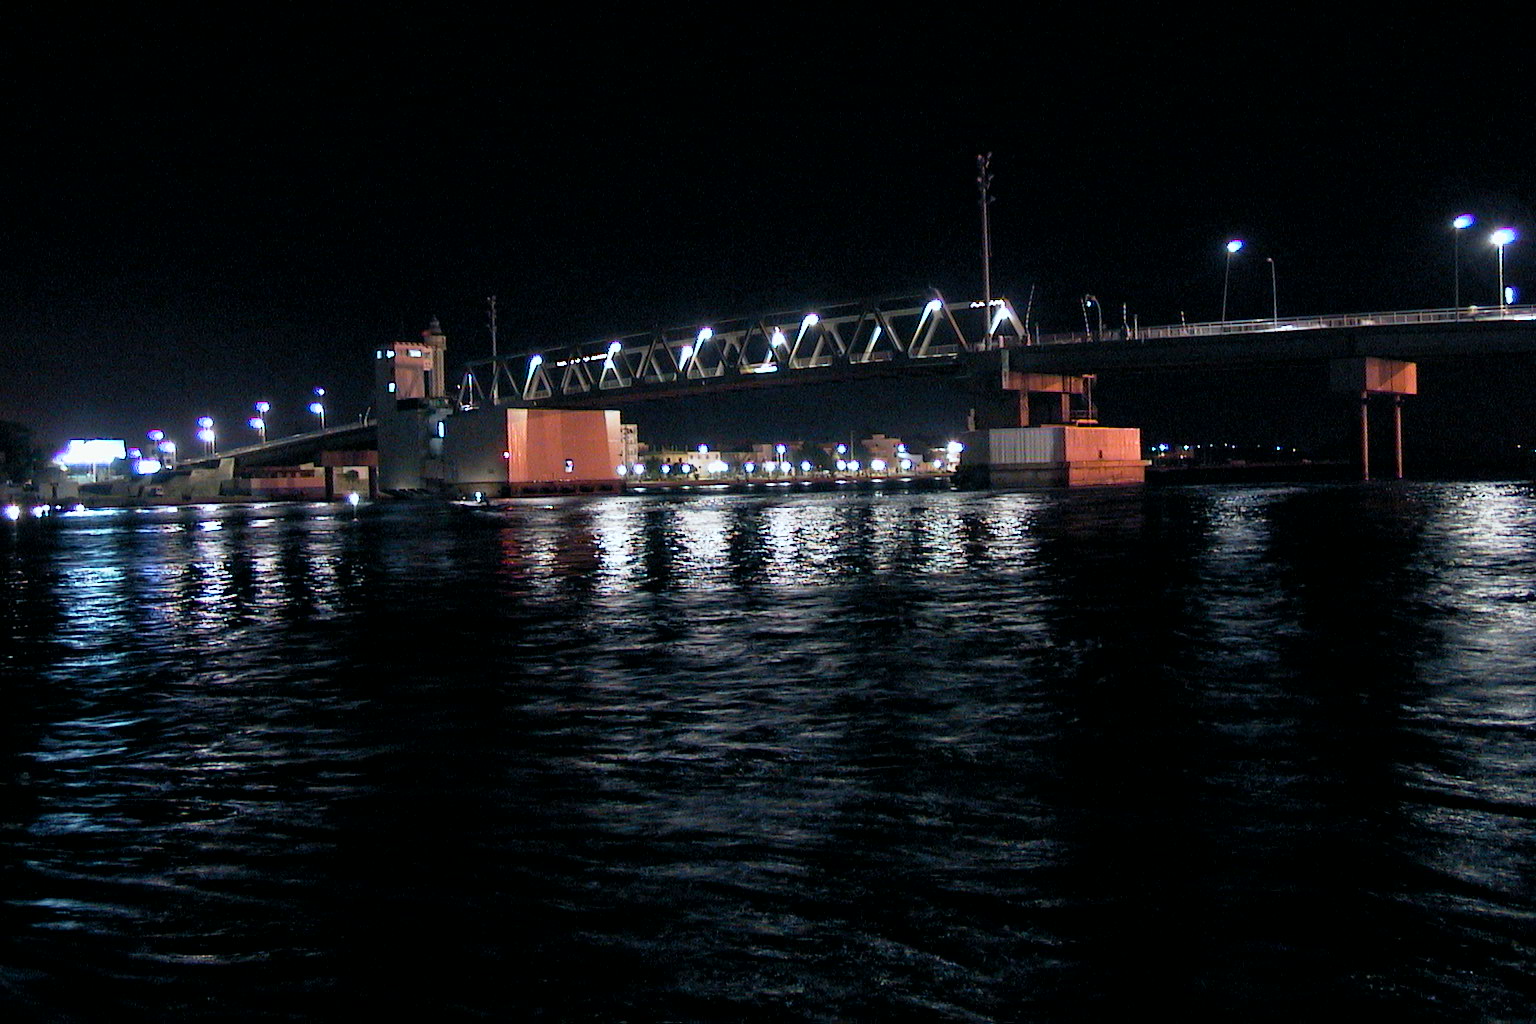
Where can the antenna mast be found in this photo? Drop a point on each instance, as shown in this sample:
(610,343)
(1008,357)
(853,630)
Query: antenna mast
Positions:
(495,370)
(984,181)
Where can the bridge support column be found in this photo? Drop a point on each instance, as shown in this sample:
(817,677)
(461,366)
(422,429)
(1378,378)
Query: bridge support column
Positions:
(1365,435)
(1372,375)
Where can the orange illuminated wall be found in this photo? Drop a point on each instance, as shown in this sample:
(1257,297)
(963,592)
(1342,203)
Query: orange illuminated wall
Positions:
(540,441)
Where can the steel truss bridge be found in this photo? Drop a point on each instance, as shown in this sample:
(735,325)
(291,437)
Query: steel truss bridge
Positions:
(847,340)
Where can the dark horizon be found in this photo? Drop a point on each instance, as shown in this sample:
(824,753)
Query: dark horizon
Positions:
(244,212)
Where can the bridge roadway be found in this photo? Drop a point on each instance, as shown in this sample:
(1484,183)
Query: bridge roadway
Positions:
(1410,336)
(952,339)
(294,448)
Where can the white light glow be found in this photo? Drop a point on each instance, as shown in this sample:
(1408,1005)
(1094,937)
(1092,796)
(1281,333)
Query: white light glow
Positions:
(685,355)
(1234,245)
(93,452)
(144,467)
(778,339)
(1502,237)
(13,512)
(1463,221)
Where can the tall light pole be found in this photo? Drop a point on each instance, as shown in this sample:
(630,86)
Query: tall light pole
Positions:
(317,407)
(1460,224)
(205,433)
(1274,294)
(1232,247)
(495,370)
(984,182)
(1500,239)
(259,421)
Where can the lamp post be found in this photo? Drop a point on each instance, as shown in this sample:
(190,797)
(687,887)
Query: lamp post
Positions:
(1460,224)
(205,433)
(1274,294)
(317,407)
(1500,239)
(1232,247)
(259,421)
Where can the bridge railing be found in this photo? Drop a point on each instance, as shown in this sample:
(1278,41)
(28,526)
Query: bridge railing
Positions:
(1268,325)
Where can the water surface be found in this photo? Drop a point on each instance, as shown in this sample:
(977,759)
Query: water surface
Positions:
(1250,753)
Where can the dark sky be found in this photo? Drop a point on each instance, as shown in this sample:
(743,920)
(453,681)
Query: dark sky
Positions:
(201,212)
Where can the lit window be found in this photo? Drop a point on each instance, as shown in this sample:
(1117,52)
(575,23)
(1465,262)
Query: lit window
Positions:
(414,353)
(442,429)
(570,465)
(391,387)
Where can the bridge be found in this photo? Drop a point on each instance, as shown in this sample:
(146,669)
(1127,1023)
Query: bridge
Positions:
(1017,376)
(989,346)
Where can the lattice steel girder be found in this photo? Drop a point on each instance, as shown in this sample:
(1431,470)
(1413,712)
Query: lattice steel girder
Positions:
(849,334)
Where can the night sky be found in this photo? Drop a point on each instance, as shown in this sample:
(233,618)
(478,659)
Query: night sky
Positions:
(204,213)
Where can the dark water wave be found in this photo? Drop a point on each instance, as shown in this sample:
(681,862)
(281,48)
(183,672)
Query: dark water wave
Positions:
(1251,753)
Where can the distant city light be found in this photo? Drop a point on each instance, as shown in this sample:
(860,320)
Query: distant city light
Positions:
(1463,221)
(13,512)
(145,467)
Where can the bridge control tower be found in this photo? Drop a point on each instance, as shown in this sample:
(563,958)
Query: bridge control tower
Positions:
(410,403)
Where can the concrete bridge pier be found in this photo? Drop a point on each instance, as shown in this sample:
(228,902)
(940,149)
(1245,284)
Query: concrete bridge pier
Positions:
(1373,375)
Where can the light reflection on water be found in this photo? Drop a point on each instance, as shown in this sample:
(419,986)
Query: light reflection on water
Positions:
(1258,750)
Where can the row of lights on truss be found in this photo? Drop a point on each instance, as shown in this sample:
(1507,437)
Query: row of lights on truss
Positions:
(778,339)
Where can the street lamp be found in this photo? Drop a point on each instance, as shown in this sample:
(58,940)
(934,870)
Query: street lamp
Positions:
(260,426)
(1500,239)
(1460,224)
(318,408)
(205,433)
(1232,247)
(1274,293)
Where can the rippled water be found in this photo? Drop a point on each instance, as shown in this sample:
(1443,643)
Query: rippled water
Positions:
(1249,754)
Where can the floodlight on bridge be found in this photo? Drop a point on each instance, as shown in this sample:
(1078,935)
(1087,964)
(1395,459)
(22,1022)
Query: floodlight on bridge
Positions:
(1460,224)
(1501,238)
(810,320)
(1233,247)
